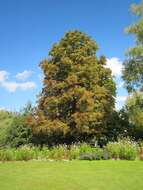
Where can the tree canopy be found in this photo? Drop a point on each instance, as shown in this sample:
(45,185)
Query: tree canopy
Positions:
(134,109)
(133,66)
(78,91)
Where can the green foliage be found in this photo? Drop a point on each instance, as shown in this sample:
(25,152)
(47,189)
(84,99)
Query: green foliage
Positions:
(74,152)
(134,106)
(133,67)
(78,91)
(25,153)
(134,109)
(59,152)
(141,150)
(123,149)
(6,154)
(133,75)
(117,125)
(19,133)
(6,119)
(14,128)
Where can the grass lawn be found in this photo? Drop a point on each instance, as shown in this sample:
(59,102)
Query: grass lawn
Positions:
(73,175)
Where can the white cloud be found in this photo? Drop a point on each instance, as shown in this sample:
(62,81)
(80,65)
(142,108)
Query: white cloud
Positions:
(27,85)
(120,85)
(3,75)
(115,65)
(121,98)
(12,86)
(120,101)
(23,75)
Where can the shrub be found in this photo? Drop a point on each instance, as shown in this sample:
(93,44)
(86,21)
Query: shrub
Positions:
(123,149)
(82,151)
(85,148)
(74,152)
(59,152)
(24,153)
(19,132)
(6,155)
(42,153)
(141,150)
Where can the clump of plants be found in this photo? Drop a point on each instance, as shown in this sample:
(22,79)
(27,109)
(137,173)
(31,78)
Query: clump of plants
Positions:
(124,149)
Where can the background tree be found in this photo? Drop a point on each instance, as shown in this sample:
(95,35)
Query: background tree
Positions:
(14,128)
(134,109)
(78,91)
(133,67)
(133,74)
(118,125)
(6,119)
(19,133)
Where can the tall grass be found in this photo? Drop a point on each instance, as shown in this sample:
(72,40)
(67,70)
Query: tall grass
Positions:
(123,149)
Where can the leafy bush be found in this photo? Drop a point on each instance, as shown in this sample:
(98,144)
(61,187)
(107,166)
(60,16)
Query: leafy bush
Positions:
(18,133)
(6,155)
(74,152)
(59,152)
(24,153)
(141,150)
(85,148)
(42,153)
(123,149)
(14,128)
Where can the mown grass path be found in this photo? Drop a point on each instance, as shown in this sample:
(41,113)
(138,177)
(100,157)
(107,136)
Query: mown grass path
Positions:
(72,175)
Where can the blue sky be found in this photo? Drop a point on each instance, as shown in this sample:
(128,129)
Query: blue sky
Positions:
(29,28)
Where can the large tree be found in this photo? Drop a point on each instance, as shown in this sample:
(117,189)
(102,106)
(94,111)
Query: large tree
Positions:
(78,91)
(133,66)
(133,74)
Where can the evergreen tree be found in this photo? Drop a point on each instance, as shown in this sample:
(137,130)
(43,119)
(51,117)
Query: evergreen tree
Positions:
(78,91)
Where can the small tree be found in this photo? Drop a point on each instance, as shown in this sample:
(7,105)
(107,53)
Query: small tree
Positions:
(134,108)
(19,132)
(118,125)
(78,91)
(6,119)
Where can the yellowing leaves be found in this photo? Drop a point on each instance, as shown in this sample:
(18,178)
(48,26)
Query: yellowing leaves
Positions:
(77,89)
